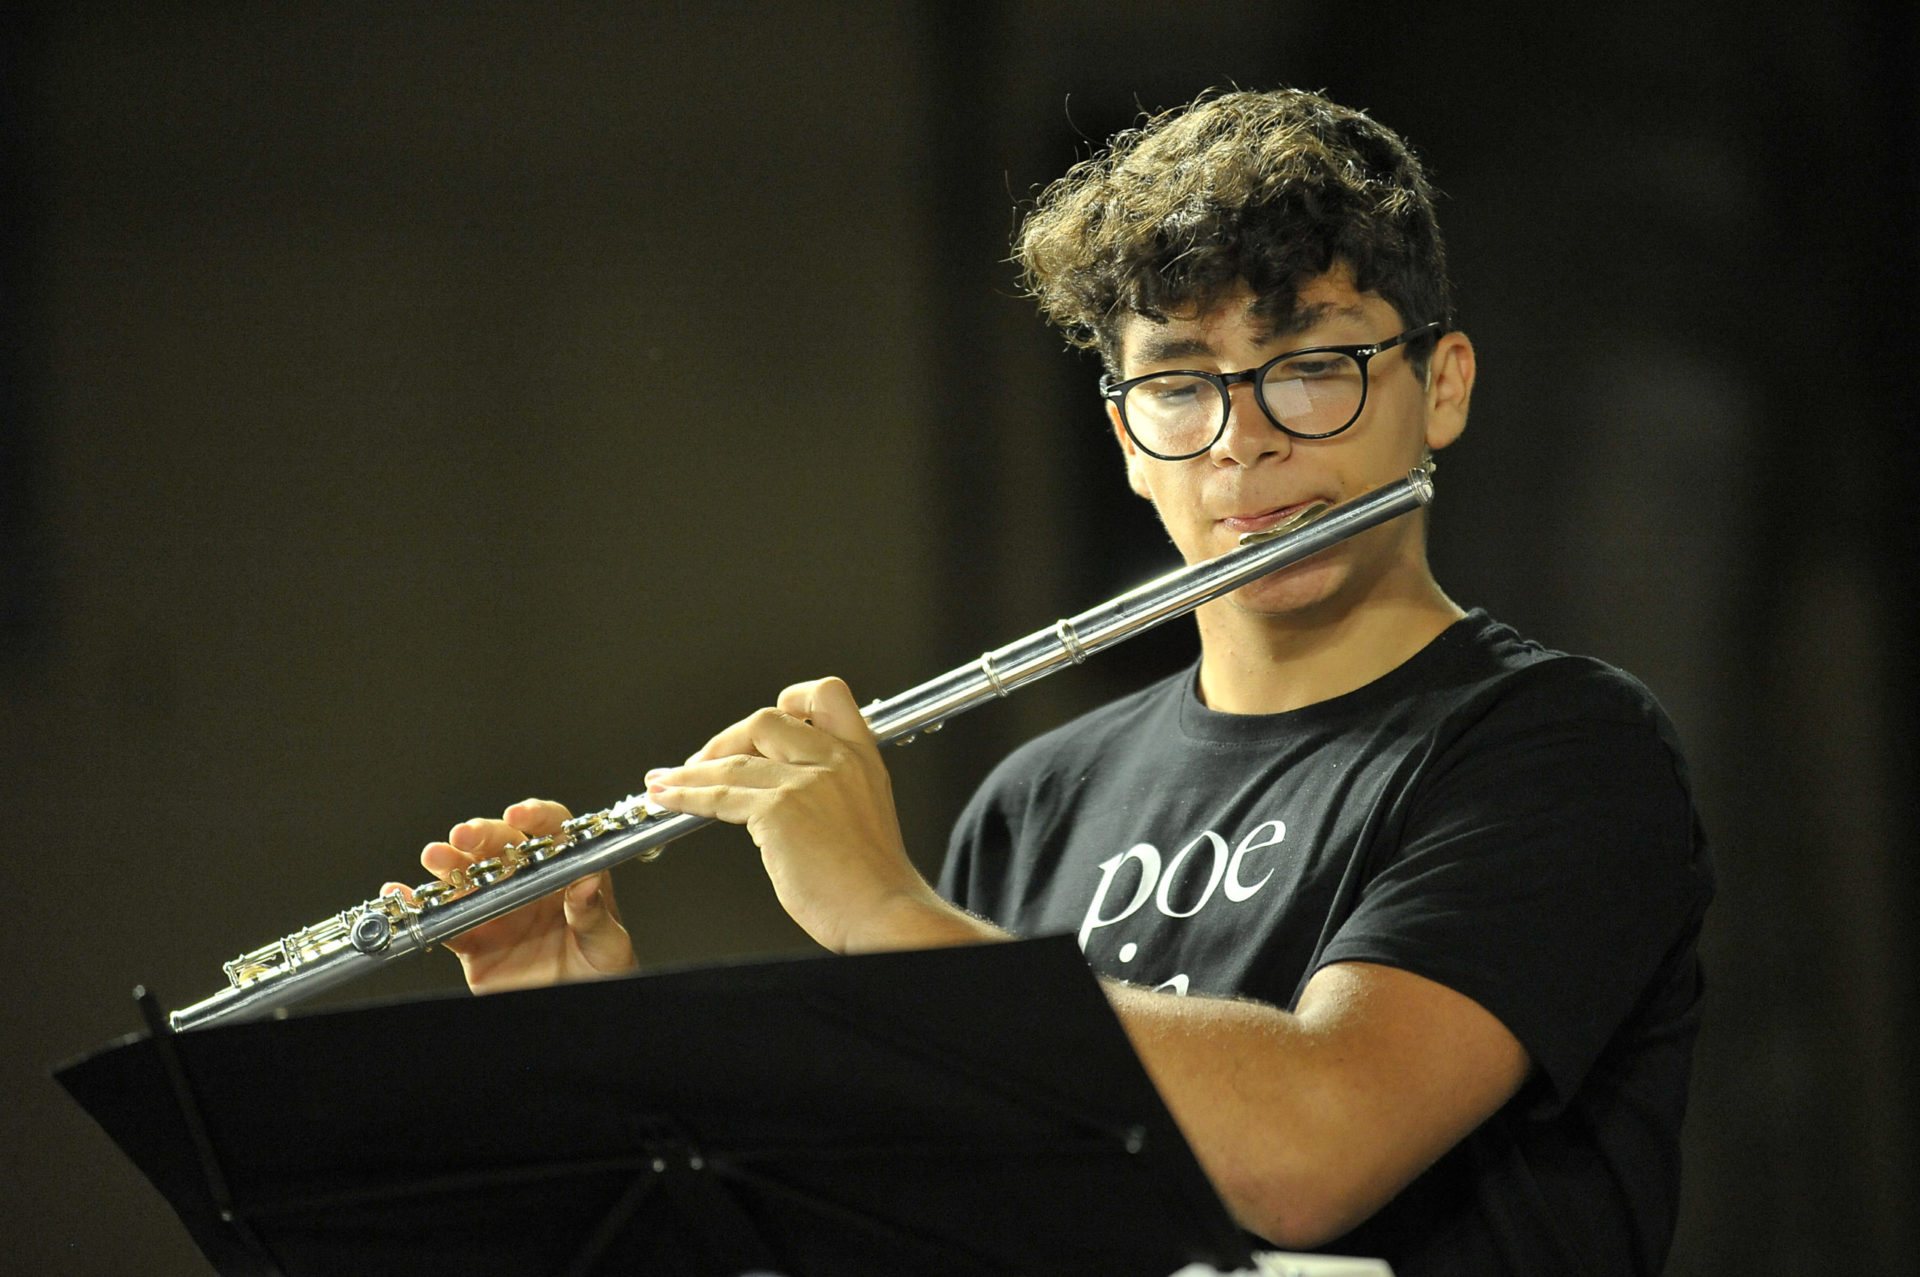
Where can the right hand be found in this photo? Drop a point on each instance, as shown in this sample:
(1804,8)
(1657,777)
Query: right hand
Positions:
(573,934)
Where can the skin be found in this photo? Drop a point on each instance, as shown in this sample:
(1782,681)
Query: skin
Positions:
(1307,1121)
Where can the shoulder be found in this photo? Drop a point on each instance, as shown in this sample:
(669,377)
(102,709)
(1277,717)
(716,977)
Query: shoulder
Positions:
(1539,749)
(1516,733)
(1496,679)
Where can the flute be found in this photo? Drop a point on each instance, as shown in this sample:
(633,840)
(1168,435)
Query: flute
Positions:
(356,941)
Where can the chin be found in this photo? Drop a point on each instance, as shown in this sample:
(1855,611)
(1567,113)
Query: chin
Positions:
(1305,587)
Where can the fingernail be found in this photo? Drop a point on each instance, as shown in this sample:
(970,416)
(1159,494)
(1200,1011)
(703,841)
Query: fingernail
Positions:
(464,837)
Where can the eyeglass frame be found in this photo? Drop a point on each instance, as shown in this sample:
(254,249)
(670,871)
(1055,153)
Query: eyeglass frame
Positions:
(1115,392)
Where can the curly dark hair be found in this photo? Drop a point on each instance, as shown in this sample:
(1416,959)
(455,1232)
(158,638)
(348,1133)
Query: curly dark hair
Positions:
(1272,188)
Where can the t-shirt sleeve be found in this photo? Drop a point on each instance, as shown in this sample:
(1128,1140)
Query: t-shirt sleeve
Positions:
(984,872)
(974,874)
(963,844)
(1551,862)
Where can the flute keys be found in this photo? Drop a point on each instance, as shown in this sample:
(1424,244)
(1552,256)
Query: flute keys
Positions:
(589,826)
(370,932)
(635,810)
(433,893)
(490,870)
(255,964)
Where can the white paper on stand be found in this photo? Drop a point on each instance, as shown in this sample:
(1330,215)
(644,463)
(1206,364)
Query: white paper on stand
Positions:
(1274,1263)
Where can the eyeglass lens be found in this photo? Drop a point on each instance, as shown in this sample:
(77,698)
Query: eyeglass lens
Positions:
(1310,394)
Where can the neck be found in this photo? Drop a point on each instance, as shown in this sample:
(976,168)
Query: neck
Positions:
(1256,663)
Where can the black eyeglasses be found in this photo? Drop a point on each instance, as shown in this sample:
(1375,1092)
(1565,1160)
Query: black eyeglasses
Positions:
(1309,394)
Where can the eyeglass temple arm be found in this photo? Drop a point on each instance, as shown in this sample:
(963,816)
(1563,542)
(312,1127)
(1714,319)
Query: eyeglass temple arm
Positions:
(1432,327)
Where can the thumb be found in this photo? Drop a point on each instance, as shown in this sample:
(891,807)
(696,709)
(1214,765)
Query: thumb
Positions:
(594,920)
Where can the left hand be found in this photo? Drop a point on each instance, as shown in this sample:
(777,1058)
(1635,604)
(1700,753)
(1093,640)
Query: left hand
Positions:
(806,780)
(573,934)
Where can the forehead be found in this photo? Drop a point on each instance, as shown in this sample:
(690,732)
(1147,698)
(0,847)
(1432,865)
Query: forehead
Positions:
(1325,308)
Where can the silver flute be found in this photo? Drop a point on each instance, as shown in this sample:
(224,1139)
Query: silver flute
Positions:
(353,943)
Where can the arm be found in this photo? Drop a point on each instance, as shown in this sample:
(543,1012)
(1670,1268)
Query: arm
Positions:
(1309,1122)
(1306,1122)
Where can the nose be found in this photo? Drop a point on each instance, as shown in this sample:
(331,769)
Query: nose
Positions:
(1249,435)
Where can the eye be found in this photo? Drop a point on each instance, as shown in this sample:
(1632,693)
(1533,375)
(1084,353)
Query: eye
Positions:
(1169,392)
(1310,367)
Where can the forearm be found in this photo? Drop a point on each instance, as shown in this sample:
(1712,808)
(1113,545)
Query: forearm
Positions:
(1306,1123)
(1310,1122)
(1240,1078)
(1248,1086)
(916,917)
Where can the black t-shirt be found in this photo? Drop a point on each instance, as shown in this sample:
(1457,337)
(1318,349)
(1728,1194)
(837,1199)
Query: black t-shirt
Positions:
(1509,821)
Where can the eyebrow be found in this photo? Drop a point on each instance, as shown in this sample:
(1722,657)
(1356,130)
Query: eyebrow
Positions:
(1312,316)
(1160,347)
(1156,350)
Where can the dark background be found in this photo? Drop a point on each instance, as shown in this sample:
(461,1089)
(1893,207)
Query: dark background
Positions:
(411,407)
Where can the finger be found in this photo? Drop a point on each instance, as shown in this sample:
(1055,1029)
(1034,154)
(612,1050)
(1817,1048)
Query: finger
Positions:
(829,705)
(716,802)
(594,919)
(441,858)
(742,771)
(481,837)
(769,733)
(536,817)
(730,789)
(797,699)
(737,738)
(467,842)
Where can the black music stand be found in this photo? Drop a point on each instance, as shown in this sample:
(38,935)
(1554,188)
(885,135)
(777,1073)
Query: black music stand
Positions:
(960,1111)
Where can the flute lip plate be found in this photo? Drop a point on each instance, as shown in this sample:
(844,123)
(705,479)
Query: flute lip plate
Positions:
(1293,523)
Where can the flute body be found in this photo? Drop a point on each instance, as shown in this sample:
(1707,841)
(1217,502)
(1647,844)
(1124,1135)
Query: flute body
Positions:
(359,940)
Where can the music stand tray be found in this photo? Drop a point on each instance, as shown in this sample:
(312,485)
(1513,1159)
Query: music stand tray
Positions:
(963,1111)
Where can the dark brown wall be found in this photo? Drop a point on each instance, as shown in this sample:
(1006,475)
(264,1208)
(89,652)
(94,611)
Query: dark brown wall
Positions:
(411,409)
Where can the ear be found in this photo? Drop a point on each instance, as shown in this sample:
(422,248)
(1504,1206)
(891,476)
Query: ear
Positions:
(1136,460)
(1449,389)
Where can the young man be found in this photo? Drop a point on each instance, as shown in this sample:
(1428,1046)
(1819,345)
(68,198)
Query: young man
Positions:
(1398,909)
